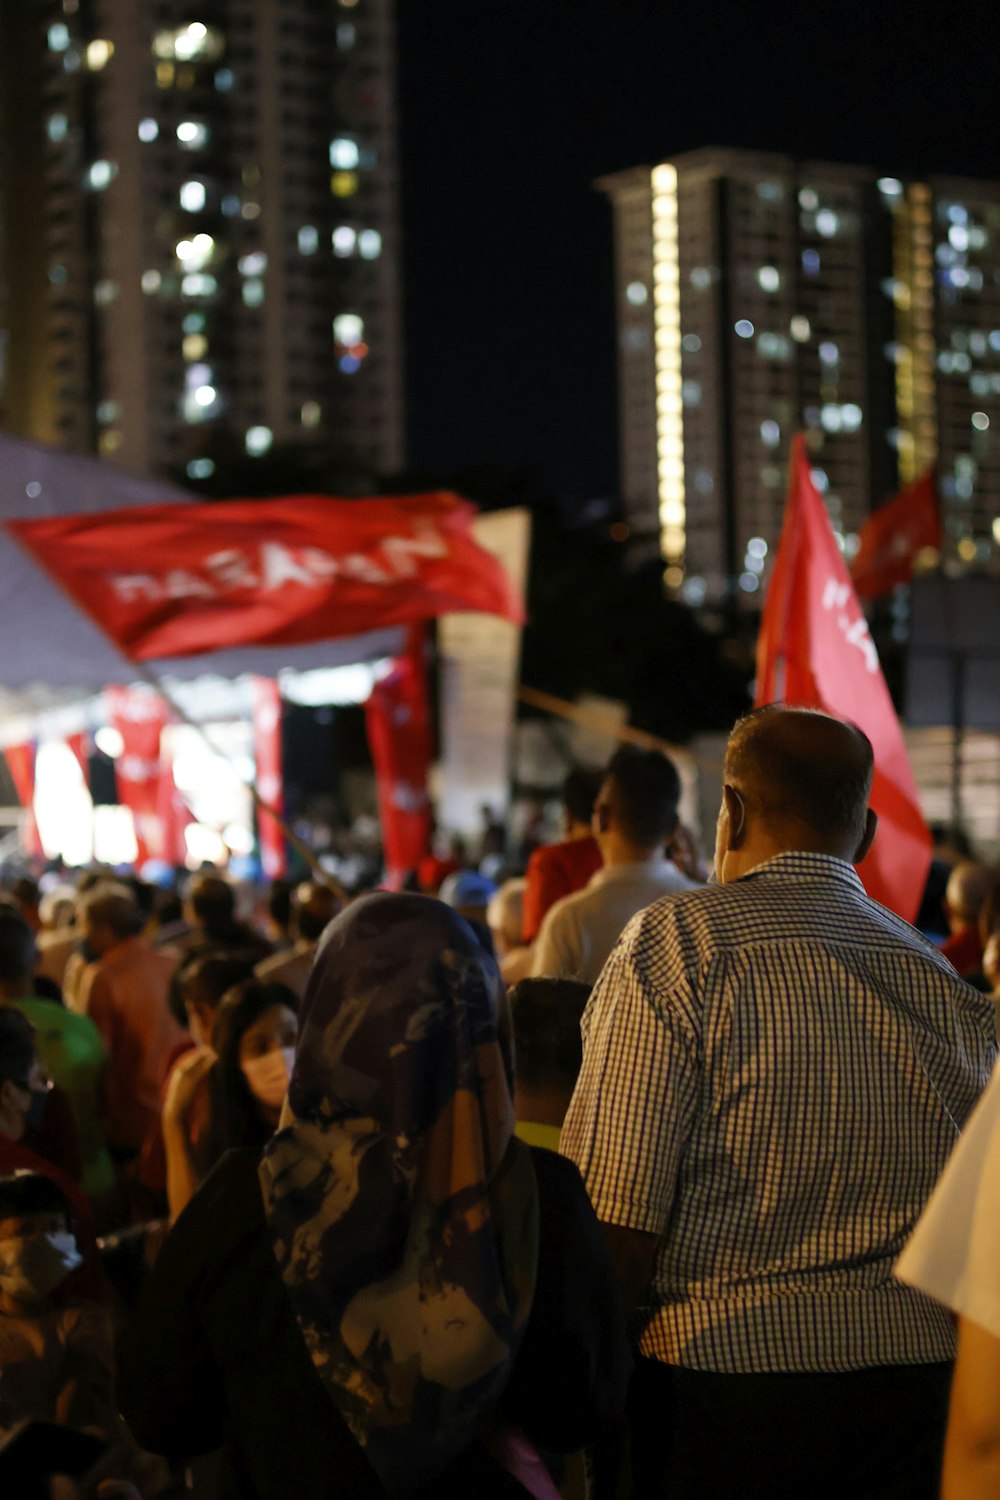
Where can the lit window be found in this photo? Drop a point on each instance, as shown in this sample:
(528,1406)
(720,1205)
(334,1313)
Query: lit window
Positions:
(151,281)
(148,129)
(192,134)
(192,196)
(344,153)
(308,239)
(205,395)
(770,436)
(829,353)
(108,411)
(200,468)
(198,285)
(99,54)
(347,35)
(769,278)
(109,441)
(743,328)
(827,223)
(756,547)
(830,417)
(636,293)
(258,440)
(58,37)
(253,264)
(701,278)
(980,421)
(850,417)
(370,244)
(229,206)
(808,199)
(957,214)
(890,187)
(310,414)
(197,252)
(253,291)
(250,210)
(810,262)
(350,364)
(57,127)
(224,80)
(100,173)
(164,75)
(691,393)
(344,240)
(691,343)
(58,275)
(200,374)
(104,292)
(749,582)
(193,323)
(194,345)
(958,237)
(348,329)
(187,43)
(344,184)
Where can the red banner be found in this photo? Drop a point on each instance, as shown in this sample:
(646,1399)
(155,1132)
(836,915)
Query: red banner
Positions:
(399,737)
(80,745)
(815,651)
(176,580)
(173,813)
(891,538)
(267,754)
(139,718)
(21,764)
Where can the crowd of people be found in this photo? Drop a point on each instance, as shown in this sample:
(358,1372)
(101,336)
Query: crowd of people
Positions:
(610,1175)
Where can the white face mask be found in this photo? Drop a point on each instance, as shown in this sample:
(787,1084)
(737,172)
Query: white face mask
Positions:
(267,1077)
(32,1268)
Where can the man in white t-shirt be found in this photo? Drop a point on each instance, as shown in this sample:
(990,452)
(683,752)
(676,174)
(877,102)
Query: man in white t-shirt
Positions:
(635,816)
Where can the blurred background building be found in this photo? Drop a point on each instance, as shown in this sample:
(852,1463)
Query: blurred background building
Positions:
(757,296)
(200,238)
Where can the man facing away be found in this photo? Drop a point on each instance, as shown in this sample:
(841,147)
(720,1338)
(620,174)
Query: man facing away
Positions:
(775,1070)
(635,814)
(557,870)
(314,907)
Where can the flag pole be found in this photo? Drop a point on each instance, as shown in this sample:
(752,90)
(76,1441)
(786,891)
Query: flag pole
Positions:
(297,843)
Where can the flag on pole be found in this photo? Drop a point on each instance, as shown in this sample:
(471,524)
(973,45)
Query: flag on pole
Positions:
(270,783)
(177,580)
(815,651)
(399,737)
(21,765)
(894,535)
(140,718)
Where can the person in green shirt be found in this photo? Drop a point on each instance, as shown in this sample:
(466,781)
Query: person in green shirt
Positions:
(548,1052)
(69,1047)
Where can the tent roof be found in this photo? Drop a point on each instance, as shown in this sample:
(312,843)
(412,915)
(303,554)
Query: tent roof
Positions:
(54,651)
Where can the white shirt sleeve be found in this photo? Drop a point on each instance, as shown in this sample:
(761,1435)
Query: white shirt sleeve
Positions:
(555,953)
(952,1254)
(635,1099)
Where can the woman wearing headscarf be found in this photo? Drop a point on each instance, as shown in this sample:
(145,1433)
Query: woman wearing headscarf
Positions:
(399,1298)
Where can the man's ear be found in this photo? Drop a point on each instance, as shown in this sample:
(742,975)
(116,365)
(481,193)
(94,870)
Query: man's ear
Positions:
(736,819)
(868,838)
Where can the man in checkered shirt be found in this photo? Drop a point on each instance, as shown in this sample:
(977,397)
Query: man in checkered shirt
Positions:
(775,1070)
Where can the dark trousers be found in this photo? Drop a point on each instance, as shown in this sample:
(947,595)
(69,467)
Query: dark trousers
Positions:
(869,1435)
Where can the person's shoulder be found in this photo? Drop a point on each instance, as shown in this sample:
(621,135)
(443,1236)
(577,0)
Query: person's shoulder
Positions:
(560,1186)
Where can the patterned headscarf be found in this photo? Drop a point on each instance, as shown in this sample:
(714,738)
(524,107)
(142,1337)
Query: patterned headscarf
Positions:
(403,1211)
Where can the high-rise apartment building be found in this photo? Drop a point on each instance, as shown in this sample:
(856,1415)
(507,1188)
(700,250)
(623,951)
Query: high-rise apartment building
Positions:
(214,209)
(758,296)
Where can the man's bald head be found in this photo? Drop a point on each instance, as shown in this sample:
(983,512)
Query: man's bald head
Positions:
(969,886)
(808,774)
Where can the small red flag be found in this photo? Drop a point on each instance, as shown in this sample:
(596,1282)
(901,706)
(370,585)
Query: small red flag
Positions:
(815,651)
(270,781)
(177,580)
(21,765)
(892,537)
(140,719)
(399,737)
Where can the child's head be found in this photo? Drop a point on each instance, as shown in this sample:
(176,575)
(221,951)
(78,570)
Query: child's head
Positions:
(38,1246)
(548,1051)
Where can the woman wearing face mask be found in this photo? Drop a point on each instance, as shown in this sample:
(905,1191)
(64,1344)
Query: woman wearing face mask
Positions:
(245,1072)
(400,1298)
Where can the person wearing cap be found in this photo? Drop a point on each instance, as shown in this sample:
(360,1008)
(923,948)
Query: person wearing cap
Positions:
(470,894)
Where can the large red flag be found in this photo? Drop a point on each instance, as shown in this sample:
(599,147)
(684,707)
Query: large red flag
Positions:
(176,580)
(815,650)
(270,784)
(892,537)
(399,737)
(21,764)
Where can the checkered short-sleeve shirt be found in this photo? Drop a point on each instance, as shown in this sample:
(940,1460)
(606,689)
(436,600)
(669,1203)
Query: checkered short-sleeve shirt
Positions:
(775,1071)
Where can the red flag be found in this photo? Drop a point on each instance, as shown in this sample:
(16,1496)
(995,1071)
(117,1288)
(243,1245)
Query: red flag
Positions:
(173,812)
(79,743)
(21,765)
(176,580)
(815,651)
(399,737)
(892,537)
(140,718)
(267,753)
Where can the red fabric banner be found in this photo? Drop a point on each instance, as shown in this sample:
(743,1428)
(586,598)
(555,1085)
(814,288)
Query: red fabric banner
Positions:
(892,537)
(80,746)
(173,812)
(176,580)
(815,651)
(21,765)
(139,718)
(267,754)
(399,737)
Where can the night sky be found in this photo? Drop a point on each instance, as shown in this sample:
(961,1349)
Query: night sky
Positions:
(510,109)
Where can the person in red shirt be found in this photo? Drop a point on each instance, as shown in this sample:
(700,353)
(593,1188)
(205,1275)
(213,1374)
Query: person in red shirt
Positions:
(969,886)
(557,870)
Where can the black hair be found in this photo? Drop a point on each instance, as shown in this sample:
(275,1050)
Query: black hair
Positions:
(236,1118)
(213,902)
(23,1193)
(17,946)
(17,1046)
(546,1014)
(25,891)
(645,793)
(279,902)
(209,976)
(580,791)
